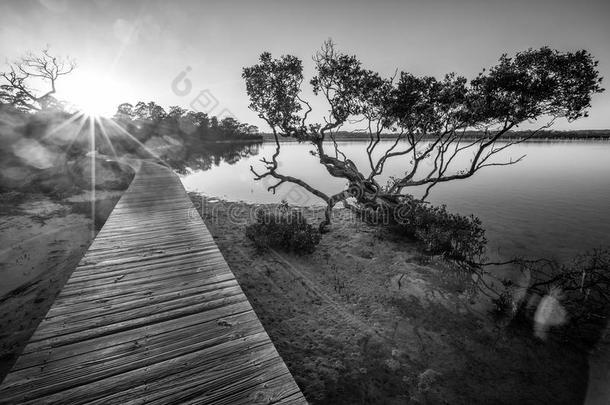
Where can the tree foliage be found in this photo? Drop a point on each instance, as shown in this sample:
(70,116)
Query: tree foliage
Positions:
(285,229)
(427,117)
(458,238)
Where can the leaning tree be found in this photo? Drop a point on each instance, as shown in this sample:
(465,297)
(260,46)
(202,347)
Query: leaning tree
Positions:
(431,122)
(30,82)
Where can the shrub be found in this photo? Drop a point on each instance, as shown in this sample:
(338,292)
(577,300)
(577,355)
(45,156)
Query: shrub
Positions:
(454,236)
(284,229)
(581,287)
(503,305)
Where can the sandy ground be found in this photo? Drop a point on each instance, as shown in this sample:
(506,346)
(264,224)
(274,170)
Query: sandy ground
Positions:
(41,242)
(362,320)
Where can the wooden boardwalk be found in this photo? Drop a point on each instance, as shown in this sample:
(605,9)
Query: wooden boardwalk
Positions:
(151,315)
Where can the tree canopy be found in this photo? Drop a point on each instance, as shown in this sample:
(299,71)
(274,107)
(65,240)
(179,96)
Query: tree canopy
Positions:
(428,117)
(147,119)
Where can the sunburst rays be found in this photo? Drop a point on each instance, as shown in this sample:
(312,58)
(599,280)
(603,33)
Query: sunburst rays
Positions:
(93,132)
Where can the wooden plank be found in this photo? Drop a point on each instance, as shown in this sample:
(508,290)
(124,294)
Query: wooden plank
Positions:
(74,312)
(70,372)
(233,314)
(76,303)
(152,314)
(62,330)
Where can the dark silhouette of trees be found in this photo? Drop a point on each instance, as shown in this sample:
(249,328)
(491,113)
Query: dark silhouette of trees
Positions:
(195,140)
(426,117)
(145,120)
(17,88)
(150,111)
(176,112)
(125,112)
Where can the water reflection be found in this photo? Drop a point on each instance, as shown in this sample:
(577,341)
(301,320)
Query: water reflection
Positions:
(207,155)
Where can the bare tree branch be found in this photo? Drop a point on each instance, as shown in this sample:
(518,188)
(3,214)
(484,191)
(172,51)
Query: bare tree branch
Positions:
(45,67)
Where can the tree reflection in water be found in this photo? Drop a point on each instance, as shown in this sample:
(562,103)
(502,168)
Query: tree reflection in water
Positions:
(209,154)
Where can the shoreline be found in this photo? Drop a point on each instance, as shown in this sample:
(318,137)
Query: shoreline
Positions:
(366,303)
(535,140)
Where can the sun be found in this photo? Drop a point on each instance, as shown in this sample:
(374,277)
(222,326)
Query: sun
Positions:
(93,95)
(95,106)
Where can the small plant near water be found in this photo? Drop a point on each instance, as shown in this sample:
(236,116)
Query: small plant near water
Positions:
(504,305)
(285,229)
(455,237)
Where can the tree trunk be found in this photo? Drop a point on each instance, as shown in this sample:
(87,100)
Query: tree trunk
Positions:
(324,226)
(384,205)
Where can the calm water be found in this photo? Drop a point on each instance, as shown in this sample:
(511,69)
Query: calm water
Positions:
(555,203)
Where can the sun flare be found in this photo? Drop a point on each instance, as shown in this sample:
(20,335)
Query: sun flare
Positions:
(94,96)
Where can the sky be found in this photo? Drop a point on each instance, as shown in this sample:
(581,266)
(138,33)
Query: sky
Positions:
(191,53)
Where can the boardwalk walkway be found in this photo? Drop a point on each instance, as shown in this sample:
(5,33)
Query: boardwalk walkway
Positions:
(151,315)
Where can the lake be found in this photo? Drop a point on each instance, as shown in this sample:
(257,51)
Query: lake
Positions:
(555,203)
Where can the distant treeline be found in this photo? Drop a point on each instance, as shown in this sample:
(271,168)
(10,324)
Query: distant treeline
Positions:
(146,120)
(586,134)
(187,140)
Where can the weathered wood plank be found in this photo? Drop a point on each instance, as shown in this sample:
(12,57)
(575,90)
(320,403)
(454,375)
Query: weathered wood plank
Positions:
(74,313)
(77,303)
(125,278)
(80,369)
(152,314)
(127,317)
(232,314)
